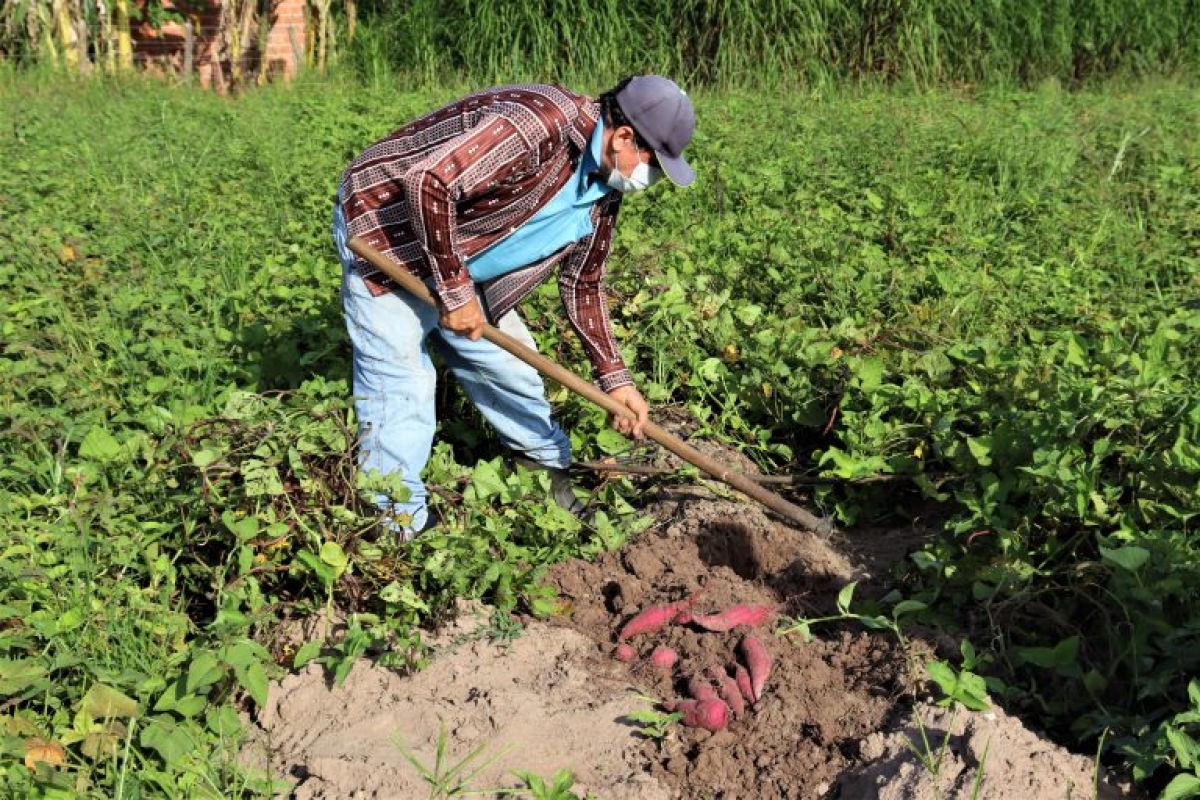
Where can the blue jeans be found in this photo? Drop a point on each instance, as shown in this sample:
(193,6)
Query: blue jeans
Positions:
(395,380)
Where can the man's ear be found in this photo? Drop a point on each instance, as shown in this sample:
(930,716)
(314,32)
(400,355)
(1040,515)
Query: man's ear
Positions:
(625,135)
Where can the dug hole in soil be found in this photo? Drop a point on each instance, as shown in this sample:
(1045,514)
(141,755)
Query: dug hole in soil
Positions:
(836,718)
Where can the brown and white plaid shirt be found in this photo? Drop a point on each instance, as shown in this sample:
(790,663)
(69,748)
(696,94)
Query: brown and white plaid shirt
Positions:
(447,186)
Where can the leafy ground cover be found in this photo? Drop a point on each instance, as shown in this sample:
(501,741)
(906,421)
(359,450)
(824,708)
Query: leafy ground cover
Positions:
(989,296)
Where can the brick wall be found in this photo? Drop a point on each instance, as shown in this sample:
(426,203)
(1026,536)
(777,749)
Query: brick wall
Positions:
(164,49)
(285,42)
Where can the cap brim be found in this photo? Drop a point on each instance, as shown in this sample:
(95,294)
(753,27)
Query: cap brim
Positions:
(679,171)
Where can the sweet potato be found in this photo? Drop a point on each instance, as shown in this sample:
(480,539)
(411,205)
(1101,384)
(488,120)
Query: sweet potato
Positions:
(711,715)
(758,663)
(727,690)
(663,657)
(742,679)
(700,689)
(624,652)
(654,618)
(730,618)
(648,620)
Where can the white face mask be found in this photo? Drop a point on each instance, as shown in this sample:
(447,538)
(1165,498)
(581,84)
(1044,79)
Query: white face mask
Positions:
(643,176)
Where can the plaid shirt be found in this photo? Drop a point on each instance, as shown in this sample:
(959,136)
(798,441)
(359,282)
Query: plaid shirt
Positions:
(445,187)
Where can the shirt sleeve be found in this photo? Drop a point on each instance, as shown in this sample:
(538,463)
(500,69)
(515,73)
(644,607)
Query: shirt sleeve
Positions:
(465,165)
(581,284)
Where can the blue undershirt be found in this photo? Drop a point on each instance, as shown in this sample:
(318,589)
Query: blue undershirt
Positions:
(565,219)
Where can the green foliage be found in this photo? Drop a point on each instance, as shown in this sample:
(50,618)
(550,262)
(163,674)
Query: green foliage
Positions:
(990,298)
(654,724)
(177,480)
(450,779)
(745,43)
(559,787)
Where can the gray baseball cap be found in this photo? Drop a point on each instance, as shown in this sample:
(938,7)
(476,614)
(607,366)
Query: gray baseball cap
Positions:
(662,114)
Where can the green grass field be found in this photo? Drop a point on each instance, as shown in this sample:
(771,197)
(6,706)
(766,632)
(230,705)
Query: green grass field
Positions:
(988,293)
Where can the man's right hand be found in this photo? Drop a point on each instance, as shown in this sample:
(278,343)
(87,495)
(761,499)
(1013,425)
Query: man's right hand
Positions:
(466,320)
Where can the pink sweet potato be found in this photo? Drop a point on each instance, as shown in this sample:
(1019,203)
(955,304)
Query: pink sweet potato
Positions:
(742,679)
(663,657)
(700,689)
(758,663)
(711,715)
(730,618)
(648,620)
(624,652)
(727,690)
(654,618)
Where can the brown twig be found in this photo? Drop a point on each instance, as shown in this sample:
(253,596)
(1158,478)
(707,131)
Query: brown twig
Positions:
(782,480)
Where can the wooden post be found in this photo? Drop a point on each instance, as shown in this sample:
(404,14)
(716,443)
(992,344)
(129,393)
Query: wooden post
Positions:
(66,36)
(124,39)
(81,46)
(189,51)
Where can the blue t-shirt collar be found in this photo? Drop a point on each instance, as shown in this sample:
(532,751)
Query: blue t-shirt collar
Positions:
(591,156)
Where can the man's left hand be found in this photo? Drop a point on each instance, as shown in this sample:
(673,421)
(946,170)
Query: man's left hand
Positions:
(634,423)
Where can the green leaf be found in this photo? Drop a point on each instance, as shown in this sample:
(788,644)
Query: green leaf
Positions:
(245,653)
(262,478)
(870,373)
(1186,750)
(403,594)
(1061,656)
(307,652)
(99,445)
(204,670)
(943,675)
(206,457)
(908,607)
(1130,557)
(105,702)
(172,740)
(486,481)
(244,529)
(223,721)
(313,562)
(333,555)
(253,678)
(611,442)
(749,314)
(1181,787)
(981,449)
(19,675)
(845,595)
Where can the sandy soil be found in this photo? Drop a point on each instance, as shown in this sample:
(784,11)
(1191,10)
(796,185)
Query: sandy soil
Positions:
(835,719)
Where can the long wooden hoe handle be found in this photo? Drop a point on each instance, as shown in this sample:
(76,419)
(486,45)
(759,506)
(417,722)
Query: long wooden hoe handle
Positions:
(585,389)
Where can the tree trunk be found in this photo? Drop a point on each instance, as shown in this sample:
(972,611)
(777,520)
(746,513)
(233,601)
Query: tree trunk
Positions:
(351,19)
(231,33)
(323,34)
(65,29)
(105,47)
(124,40)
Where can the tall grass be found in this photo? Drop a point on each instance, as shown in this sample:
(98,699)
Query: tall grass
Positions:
(773,43)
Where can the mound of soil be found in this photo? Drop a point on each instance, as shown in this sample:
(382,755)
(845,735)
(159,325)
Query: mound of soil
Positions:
(833,722)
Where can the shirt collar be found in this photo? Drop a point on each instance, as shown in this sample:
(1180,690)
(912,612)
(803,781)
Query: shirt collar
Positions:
(590,159)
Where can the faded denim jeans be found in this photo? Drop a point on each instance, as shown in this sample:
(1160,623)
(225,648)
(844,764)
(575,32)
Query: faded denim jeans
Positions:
(395,382)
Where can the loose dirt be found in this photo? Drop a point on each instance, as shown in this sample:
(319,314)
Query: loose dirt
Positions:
(836,719)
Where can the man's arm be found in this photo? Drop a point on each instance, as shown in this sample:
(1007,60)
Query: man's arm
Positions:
(581,284)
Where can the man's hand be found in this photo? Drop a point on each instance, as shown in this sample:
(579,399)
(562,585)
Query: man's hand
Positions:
(632,399)
(465,320)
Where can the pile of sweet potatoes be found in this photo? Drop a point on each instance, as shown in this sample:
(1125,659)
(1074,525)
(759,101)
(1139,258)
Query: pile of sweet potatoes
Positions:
(718,694)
